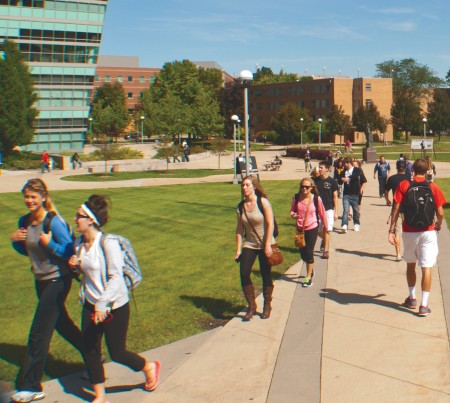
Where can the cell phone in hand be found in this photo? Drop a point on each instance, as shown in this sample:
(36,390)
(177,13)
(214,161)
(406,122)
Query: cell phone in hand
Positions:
(238,259)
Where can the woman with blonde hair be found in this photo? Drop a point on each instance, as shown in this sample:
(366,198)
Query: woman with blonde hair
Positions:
(45,238)
(254,238)
(306,208)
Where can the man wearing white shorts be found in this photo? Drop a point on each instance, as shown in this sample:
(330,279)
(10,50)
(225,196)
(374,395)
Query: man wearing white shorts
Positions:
(420,242)
(328,190)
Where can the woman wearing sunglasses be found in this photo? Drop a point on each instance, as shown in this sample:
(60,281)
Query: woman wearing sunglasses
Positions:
(106,309)
(306,209)
(45,238)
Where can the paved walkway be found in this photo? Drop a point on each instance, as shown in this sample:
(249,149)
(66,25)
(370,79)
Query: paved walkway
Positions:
(345,339)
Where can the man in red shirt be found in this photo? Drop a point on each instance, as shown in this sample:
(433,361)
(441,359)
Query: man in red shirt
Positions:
(420,244)
(45,162)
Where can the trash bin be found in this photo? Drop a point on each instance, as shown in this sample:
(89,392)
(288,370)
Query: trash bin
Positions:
(115,168)
(91,170)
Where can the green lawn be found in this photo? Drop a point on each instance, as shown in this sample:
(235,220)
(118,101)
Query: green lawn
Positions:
(172,173)
(184,238)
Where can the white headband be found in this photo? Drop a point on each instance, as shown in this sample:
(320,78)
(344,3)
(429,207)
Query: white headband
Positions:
(91,215)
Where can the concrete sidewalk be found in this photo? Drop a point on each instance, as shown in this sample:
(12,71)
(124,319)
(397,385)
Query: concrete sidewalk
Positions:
(345,339)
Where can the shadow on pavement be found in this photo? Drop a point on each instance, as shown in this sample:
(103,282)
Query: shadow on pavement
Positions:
(381,256)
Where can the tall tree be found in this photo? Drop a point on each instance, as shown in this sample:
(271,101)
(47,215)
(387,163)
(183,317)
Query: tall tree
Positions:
(338,122)
(287,123)
(447,78)
(439,112)
(109,110)
(265,75)
(411,82)
(17,97)
(369,115)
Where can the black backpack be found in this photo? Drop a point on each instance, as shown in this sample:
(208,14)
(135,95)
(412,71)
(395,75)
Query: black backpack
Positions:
(261,208)
(418,206)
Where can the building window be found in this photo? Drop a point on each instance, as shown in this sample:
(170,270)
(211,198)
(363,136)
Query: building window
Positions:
(142,79)
(97,79)
(368,87)
(130,95)
(152,80)
(368,103)
(119,79)
(130,79)
(107,79)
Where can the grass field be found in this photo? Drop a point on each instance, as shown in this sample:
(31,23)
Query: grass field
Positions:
(184,238)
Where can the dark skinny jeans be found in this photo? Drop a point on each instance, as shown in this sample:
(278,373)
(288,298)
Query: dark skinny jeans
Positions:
(307,253)
(51,314)
(248,257)
(116,341)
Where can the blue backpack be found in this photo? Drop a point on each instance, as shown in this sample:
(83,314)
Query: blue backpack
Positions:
(131,270)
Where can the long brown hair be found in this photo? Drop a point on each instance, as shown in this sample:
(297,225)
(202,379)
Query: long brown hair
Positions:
(313,186)
(39,186)
(259,191)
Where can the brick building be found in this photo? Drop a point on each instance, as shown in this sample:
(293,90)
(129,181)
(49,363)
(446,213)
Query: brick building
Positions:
(318,96)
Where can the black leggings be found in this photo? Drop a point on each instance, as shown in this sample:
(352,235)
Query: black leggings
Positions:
(51,314)
(116,340)
(248,257)
(307,253)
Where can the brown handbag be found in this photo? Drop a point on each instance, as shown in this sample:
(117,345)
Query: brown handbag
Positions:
(299,237)
(276,258)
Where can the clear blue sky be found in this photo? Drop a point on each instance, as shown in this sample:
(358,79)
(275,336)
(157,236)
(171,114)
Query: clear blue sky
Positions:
(335,37)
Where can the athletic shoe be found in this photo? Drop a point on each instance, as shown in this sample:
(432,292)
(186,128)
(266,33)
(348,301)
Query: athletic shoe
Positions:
(357,227)
(26,396)
(344,228)
(325,255)
(424,310)
(308,282)
(410,303)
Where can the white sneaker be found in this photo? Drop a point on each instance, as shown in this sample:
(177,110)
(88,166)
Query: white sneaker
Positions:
(26,396)
(344,228)
(356,227)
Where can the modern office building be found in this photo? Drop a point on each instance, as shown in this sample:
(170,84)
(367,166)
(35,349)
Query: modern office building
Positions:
(60,40)
(318,95)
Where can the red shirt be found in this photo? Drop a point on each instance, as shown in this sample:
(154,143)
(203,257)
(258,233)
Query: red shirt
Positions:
(400,194)
(45,158)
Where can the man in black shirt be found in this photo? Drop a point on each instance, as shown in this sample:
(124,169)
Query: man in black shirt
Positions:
(391,184)
(328,189)
(352,189)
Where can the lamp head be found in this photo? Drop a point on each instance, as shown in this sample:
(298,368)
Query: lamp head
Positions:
(235,118)
(246,75)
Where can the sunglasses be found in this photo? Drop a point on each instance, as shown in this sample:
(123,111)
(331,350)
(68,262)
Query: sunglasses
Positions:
(305,187)
(78,216)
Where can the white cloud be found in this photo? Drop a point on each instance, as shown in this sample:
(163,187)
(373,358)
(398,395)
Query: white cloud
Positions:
(405,26)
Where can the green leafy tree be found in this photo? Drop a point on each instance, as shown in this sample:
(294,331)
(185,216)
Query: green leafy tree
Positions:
(17,97)
(439,112)
(231,102)
(265,75)
(338,122)
(411,82)
(369,115)
(287,123)
(447,78)
(109,110)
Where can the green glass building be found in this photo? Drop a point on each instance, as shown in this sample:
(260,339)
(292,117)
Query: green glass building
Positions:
(60,40)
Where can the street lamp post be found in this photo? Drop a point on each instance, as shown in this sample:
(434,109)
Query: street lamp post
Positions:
(142,127)
(301,132)
(235,119)
(239,134)
(246,76)
(320,131)
(90,126)
(424,120)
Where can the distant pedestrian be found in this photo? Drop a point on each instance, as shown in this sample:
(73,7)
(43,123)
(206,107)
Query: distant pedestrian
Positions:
(186,151)
(328,189)
(307,159)
(330,158)
(306,209)
(383,170)
(45,160)
(338,169)
(409,167)
(76,161)
(351,193)
(106,308)
(391,184)
(254,238)
(422,204)
(431,171)
(45,238)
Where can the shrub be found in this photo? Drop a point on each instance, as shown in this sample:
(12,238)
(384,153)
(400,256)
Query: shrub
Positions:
(315,154)
(21,160)
(271,136)
(115,152)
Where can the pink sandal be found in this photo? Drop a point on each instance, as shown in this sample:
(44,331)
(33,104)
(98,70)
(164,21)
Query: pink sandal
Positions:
(155,379)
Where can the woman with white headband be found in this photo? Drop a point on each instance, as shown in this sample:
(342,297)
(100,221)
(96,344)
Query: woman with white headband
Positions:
(106,308)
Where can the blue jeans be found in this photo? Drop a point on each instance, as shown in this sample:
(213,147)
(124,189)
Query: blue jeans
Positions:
(347,201)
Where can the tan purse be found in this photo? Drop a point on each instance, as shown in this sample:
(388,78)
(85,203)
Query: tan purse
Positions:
(276,258)
(299,237)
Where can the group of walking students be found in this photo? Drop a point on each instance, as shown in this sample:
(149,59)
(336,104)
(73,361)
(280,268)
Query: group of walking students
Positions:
(56,259)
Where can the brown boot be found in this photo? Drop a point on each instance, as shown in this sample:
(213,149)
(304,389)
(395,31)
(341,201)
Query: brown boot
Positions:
(249,293)
(267,292)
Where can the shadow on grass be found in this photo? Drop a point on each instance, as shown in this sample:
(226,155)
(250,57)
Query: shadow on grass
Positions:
(381,256)
(55,368)
(349,298)
(219,309)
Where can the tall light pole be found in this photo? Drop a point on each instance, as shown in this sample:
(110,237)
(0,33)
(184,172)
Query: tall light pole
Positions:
(301,132)
(142,134)
(90,126)
(424,120)
(246,76)
(239,134)
(320,131)
(235,119)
